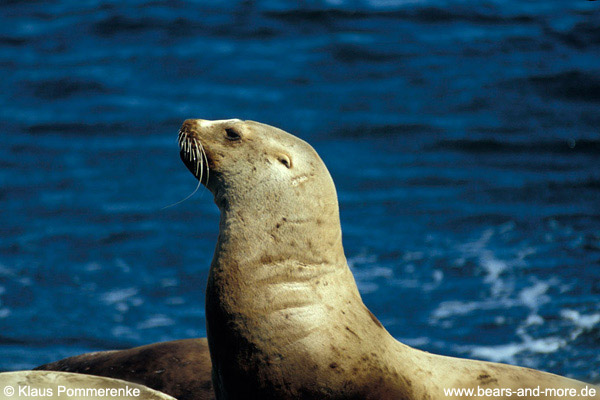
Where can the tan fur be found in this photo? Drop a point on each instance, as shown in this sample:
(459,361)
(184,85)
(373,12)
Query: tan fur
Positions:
(285,319)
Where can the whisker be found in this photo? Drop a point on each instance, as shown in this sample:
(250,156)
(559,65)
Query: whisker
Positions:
(202,160)
(196,154)
(201,169)
(206,163)
(196,157)
(199,160)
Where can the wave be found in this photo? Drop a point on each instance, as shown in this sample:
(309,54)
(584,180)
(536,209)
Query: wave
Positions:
(385,130)
(184,27)
(581,35)
(133,128)
(421,14)
(570,85)
(582,146)
(65,87)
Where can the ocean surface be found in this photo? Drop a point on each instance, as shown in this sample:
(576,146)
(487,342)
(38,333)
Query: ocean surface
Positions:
(463,137)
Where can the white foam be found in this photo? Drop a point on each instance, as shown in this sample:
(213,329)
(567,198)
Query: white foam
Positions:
(501,353)
(508,352)
(583,323)
(494,268)
(118,295)
(452,308)
(156,321)
(587,322)
(438,276)
(546,345)
(534,319)
(169,282)
(535,296)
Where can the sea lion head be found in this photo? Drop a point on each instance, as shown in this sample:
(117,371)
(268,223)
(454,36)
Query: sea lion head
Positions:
(265,179)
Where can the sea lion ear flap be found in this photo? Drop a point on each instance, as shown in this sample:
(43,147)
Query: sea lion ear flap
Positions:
(285,160)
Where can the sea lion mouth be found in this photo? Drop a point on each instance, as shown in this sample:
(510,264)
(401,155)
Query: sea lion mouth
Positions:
(193,155)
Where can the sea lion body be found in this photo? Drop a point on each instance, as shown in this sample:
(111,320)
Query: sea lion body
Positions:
(179,368)
(285,319)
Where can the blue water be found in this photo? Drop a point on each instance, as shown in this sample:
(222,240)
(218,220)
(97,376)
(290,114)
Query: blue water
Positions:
(463,137)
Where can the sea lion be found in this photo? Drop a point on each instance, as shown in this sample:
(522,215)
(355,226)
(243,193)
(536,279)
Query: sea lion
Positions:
(67,385)
(285,319)
(179,368)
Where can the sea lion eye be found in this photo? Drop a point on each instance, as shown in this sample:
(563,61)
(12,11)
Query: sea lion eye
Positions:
(285,160)
(232,134)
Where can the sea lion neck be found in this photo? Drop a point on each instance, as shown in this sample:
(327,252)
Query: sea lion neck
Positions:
(270,227)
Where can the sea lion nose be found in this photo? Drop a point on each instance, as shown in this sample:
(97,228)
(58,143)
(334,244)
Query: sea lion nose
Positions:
(190,125)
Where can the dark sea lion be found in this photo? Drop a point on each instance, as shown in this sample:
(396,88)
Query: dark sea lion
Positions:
(180,368)
(285,319)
